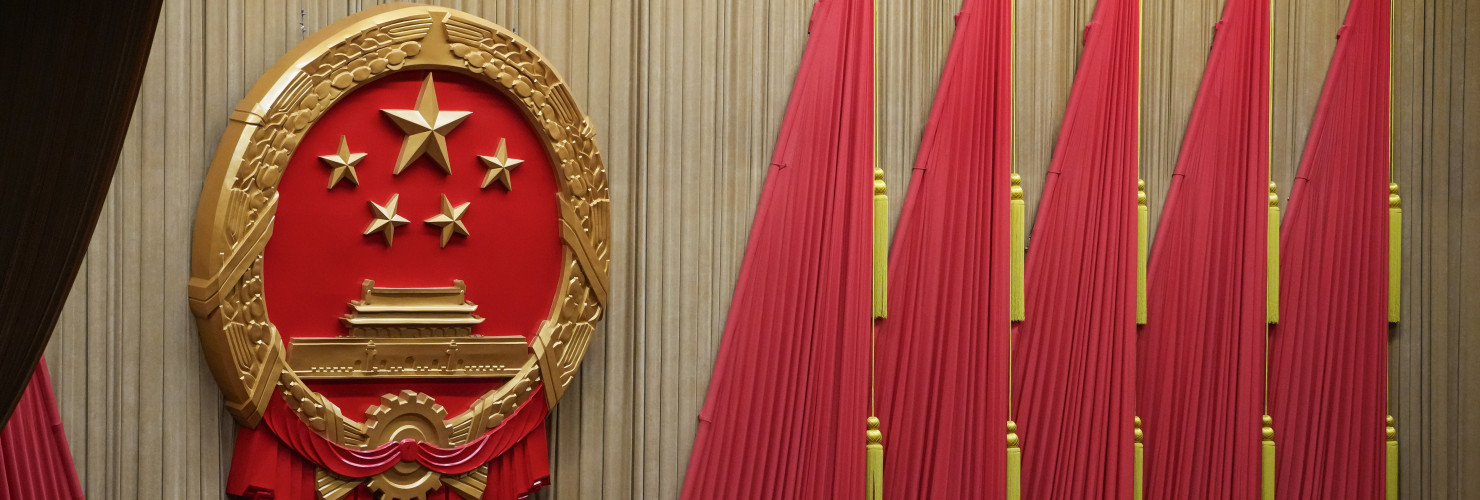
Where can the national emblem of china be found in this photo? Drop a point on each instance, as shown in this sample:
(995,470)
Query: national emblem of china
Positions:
(400,255)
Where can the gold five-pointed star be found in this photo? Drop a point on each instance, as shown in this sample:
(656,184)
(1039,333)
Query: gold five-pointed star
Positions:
(385,219)
(499,166)
(450,220)
(343,164)
(426,128)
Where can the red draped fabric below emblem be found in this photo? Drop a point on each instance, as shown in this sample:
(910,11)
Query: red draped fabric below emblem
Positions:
(785,415)
(1074,357)
(277,459)
(34,459)
(1328,359)
(1201,384)
(942,353)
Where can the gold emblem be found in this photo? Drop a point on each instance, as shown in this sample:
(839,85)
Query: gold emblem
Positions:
(248,355)
(426,128)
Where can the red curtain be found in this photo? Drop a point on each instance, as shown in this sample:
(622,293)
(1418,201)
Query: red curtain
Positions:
(785,415)
(1328,359)
(34,459)
(1074,357)
(942,353)
(1201,384)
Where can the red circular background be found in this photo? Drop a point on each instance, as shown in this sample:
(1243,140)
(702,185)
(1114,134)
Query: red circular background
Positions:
(318,255)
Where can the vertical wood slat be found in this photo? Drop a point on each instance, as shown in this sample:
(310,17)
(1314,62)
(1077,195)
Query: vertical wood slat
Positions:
(687,98)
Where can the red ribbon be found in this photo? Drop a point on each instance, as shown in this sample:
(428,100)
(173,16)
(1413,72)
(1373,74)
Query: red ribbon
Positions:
(349,462)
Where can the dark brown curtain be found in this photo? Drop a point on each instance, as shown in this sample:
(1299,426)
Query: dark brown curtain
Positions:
(69,83)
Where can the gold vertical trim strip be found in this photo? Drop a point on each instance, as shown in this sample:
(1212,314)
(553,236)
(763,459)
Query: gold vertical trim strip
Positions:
(1143,209)
(1273,270)
(1143,247)
(873,436)
(1395,260)
(1267,470)
(1017,253)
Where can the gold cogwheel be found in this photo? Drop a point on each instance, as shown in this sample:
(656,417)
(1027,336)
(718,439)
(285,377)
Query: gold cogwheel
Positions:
(408,415)
(398,415)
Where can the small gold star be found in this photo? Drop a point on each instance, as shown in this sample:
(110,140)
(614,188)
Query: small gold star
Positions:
(450,220)
(385,219)
(426,128)
(499,166)
(343,164)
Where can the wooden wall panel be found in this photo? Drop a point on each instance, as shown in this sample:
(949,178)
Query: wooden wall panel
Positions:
(687,98)
(1433,378)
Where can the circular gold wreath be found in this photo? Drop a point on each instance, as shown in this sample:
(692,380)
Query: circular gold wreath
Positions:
(244,350)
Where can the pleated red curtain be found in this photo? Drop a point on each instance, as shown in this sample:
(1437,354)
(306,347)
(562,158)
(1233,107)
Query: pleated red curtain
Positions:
(942,352)
(1074,358)
(785,415)
(34,459)
(1328,359)
(1201,382)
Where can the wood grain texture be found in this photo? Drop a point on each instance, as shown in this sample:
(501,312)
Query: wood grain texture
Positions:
(1432,376)
(687,98)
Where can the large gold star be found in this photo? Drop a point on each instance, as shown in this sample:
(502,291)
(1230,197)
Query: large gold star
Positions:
(499,166)
(385,219)
(426,128)
(450,220)
(343,164)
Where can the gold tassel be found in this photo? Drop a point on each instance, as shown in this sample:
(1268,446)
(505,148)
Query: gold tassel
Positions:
(881,245)
(1272,280)
(1395,253)
(1392,458)
(1143,249)
(1266,459)
(1014,462)
(874,488)
(1016,304)
(1138,485)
